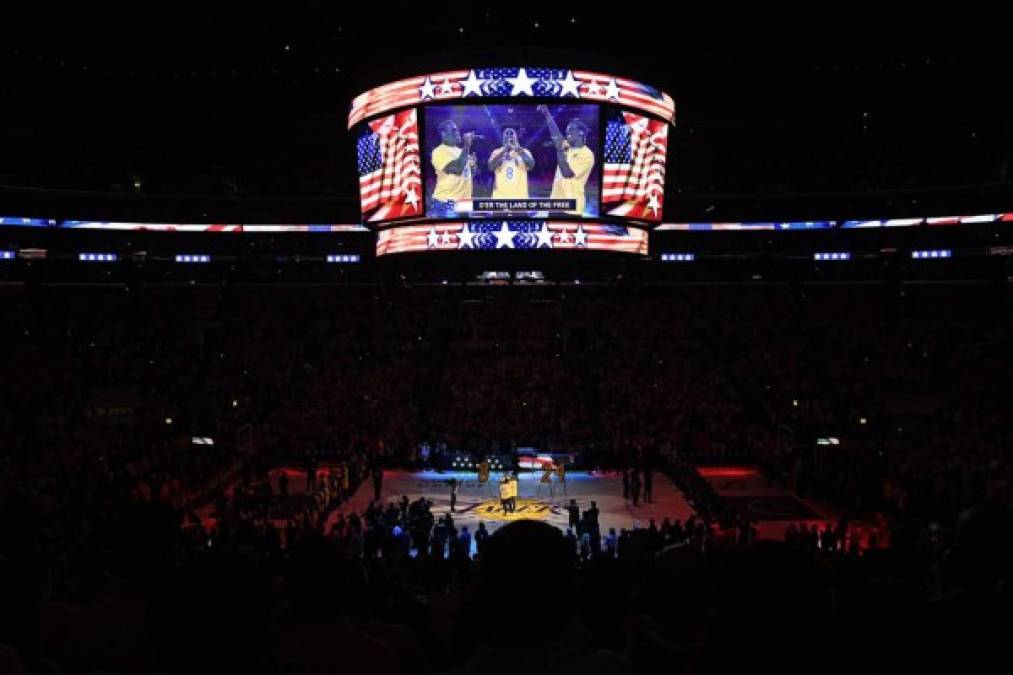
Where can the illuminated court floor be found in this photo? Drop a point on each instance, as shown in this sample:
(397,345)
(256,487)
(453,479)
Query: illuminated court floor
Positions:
(534,500)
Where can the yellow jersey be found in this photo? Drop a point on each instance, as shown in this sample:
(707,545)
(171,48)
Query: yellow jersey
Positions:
(511,177)
(581,160)
(450,186)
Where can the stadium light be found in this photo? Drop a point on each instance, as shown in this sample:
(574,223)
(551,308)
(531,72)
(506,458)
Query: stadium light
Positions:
(7,255)
(932,254)
(97,257)
(678,257)
(193,258)
(344,258)
(832,255)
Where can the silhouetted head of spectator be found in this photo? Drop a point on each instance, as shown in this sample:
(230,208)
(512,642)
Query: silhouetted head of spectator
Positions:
(767,593)
(146,540)
(314,580)
(212,617)
(525,545)
(21,565)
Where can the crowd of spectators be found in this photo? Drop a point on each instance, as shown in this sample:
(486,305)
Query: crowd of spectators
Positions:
(127,547)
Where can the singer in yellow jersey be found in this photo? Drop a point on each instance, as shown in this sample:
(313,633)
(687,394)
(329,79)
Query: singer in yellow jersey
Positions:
(574,160)
(510,165)
(454,164)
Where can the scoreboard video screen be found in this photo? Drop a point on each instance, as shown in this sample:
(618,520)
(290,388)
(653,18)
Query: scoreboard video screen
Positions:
(517,157)
(490,160)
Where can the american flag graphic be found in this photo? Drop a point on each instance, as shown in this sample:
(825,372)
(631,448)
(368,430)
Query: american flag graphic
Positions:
(633,180)
(512,234)
(510,83)
(390,183)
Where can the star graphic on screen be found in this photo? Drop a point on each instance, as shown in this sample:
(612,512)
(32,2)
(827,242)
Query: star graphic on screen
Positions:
(521,84)
(445,237)
(411,199)
(653,204)
(612,90)
(544,237)
(564,236)
(432,239)
(594,89)
(446,89)
(580,237)
(570,85)
(427,90)
(504,237)
(471,85)
(465,238)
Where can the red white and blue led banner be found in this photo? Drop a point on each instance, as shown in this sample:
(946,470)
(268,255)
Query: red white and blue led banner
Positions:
(177,227)
(18,221)
(537,143)
(500,83)
(526,235)
(840,224)
(783,225)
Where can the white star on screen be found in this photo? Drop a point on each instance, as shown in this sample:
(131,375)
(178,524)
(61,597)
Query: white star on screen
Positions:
(521,84)
(570,85)
(652,203)
(465,238)
(504,237)
(580,237)
(544,237)
(612,90)
(446,89)
(471,85)
(432,239)
(411,199)
(594,89)
(445,237)
(427,90)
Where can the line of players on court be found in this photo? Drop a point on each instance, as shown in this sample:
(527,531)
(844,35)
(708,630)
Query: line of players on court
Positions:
(455,164)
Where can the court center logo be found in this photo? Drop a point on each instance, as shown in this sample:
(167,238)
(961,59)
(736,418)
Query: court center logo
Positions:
(527,509)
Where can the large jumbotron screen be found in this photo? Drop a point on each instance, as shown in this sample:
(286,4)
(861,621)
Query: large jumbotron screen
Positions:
(519,158)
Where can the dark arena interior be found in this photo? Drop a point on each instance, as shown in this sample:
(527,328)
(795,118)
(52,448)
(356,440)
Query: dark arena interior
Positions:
(397,339)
